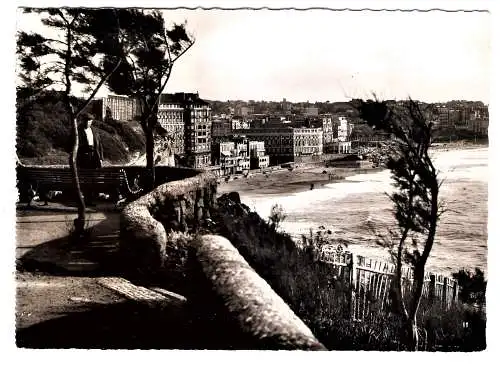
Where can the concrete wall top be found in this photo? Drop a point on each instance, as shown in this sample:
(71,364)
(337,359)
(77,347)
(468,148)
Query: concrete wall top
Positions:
(249,299)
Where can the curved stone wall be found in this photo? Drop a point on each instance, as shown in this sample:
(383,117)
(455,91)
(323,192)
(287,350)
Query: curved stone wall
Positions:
(146,227)
(177,206)
(249,299)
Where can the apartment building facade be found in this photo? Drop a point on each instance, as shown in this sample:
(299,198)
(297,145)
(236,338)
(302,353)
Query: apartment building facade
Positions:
(221,128)
(171,118)
(344,132)
(330,132)
(240,123)
(224,155)
(258,157)
(307,141)
(188,120)
(239,155)
(278,141)
(448,117)
(463,116)
(284,143)
(120,108)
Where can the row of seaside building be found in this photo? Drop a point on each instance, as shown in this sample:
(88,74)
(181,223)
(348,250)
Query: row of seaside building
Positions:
(235,144)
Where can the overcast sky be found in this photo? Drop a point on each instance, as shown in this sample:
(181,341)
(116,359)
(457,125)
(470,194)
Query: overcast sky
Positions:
(322,55)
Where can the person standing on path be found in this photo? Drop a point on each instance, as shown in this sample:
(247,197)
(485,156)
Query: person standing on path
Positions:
(90,151)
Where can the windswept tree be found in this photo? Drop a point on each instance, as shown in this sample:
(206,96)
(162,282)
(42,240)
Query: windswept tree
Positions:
(71,52)
(416,205)
(155,49)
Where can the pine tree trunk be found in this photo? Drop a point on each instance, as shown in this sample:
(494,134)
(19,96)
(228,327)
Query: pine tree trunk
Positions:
(150,145)
(79,223)
(412,334)
(416,296)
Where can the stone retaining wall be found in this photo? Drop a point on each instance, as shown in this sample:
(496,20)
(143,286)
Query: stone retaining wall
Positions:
(249,300)
(175,206)
(215,269)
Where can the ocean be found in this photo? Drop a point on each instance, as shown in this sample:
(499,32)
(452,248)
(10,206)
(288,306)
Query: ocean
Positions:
(349,207)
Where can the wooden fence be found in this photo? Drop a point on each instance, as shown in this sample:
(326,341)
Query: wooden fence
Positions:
(370,283)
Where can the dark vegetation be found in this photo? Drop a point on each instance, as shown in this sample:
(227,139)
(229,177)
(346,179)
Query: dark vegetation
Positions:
(319,297)
(473,286)
(44,132)
(42,126)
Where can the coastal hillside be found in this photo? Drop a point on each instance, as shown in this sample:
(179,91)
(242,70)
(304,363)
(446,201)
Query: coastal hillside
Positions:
(44,134)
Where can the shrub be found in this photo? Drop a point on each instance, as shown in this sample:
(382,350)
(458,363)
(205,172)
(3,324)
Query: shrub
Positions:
(134,141)
(105,127)
(31,145)
(51,158)
(382,333)
(277,216)
(41,126)
(458,328)
(473,286)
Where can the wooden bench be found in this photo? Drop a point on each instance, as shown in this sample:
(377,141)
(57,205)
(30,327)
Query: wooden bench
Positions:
(41,180)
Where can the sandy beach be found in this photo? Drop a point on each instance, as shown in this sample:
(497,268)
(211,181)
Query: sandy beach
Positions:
(301,178)
(285,181)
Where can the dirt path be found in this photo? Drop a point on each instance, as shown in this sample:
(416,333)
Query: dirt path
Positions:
(46,288)
(41,297)
(62,300)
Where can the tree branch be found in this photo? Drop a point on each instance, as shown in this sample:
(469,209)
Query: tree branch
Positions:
(167,76)
(56,41)
(61,14)
(184,51)
(96,89)
(134,67)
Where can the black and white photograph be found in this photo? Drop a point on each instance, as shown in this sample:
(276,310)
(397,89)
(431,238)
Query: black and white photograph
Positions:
(201,177)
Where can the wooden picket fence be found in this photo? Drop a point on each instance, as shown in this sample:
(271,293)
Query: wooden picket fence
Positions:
(370,283)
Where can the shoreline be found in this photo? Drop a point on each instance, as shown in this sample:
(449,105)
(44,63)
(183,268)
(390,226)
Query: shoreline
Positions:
(283,181)
(460,145)
(289,182)
(281,188)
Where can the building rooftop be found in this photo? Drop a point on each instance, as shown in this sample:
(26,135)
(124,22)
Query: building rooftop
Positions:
(182,98)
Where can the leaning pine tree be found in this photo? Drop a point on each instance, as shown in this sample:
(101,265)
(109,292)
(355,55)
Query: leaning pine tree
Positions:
(73,54)
(155,49)
(417,208)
